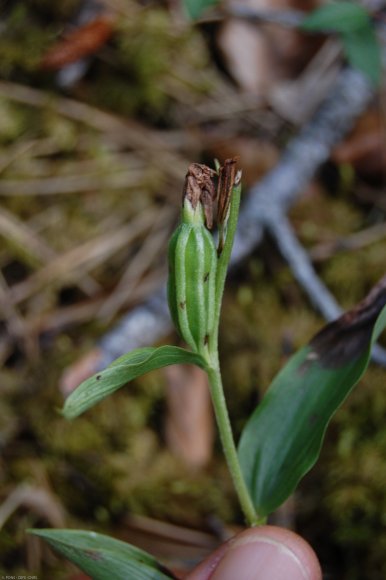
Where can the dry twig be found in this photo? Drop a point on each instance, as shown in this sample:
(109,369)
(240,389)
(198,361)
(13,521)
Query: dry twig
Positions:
(76,262)
(149,143)
(32,244)
(366,237)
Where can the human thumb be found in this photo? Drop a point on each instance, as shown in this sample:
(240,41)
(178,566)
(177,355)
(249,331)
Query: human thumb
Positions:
(262,553)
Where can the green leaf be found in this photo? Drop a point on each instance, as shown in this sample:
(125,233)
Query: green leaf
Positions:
(363,52)
(282,439)
(359,40)
(342,17)
(121,371)
(102,557)
(194,8)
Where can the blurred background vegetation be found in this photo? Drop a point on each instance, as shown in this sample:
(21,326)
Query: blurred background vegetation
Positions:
(102,108)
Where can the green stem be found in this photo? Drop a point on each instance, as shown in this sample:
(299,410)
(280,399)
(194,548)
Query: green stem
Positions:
(214,374)
(228,445)
(223,261)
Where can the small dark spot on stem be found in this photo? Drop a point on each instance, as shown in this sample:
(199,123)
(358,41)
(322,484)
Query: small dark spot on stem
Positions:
(206,339)
(206,277)
(98,377)
(182,305)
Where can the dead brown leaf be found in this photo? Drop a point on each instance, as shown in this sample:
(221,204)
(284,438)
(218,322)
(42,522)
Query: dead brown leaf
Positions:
(77,44)
(258,56)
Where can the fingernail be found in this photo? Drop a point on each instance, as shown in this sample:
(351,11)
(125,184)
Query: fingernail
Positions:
(260,558)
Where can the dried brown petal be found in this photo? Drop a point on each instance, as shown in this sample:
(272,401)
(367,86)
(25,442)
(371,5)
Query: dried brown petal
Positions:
(227,175)
(199,187)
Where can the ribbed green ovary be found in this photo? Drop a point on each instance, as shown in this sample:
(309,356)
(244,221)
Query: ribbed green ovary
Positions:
(191,285)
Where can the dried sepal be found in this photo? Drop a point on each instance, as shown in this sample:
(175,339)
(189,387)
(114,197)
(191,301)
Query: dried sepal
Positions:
(226,181)
(199,188)
(228,177)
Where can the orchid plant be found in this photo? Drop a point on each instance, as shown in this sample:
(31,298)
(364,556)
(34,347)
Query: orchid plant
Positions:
(282,439)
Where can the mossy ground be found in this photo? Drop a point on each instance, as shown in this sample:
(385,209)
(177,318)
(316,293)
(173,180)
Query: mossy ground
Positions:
(114,459)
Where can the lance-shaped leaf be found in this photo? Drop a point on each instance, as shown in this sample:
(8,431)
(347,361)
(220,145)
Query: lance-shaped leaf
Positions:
(282,439)
(358,37)
(363,52)
(337,16)
(121,371)
(102,557)
(194,8)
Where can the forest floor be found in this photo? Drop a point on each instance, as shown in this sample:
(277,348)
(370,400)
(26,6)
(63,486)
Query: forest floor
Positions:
(94,147)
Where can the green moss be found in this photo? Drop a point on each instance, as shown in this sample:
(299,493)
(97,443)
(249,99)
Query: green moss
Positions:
(9,425)
(12,121)
(142,80)
(164,488)
(341,273)
(23,41)
(114,459)
(320,218)
(64,10)
(350,477)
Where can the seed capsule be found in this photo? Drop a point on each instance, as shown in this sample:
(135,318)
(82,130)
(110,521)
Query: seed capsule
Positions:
(192,275)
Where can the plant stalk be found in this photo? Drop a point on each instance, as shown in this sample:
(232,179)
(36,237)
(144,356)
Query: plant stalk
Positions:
(228,444)
(214,374)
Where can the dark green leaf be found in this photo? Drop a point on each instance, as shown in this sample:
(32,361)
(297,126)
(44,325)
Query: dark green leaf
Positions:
(102,557)
(337,17)
(194,8)
(363,52)
(121,371)
(283,437)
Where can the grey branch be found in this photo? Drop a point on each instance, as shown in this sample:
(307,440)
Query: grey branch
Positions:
(303,157)
(302,269)
(265,208)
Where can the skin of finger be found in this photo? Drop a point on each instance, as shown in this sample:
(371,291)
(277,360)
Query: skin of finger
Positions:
(255,542)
